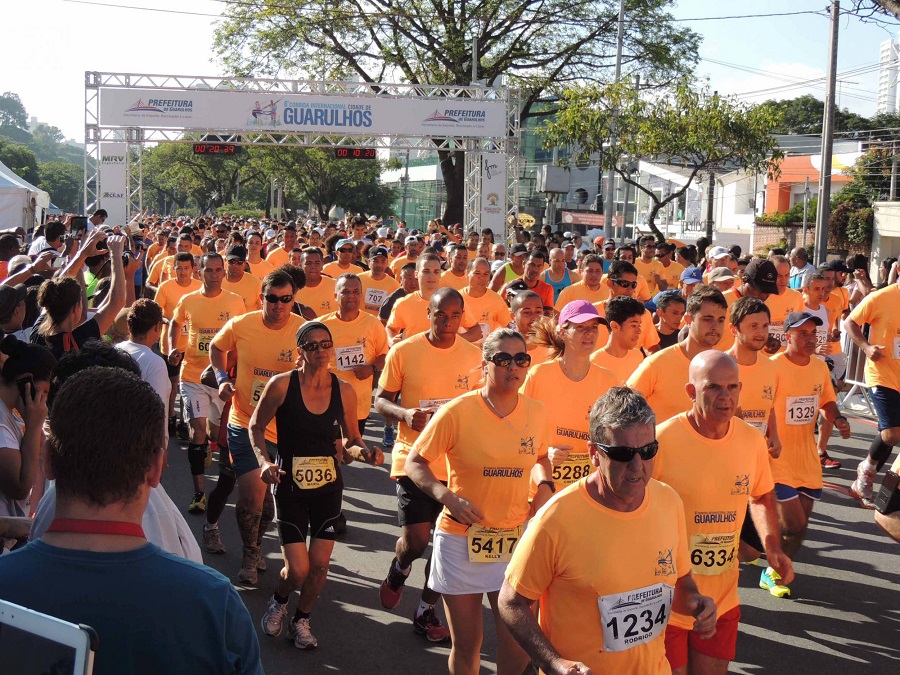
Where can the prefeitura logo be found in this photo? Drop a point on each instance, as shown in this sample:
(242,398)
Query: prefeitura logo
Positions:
(167,107)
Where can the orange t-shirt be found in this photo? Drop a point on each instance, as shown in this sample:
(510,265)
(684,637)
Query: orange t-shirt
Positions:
(397,263)
(836,303)
(568,408)
(580,291)
(162,269)
(647,270)
(205,317)
(334,270)
(715,479)
(671,274)
(167,297)
(758,385)
(489,459)
(660,379)
(448,278)
(779,308)
(410,315)
(489,311)
(727,339)
(376,291)
(649,334)
(801,392)
(427,377)
(356,343)
(880,310)
(262,353)
(249,288)
(583,582)
(320,298)
(261,269)
(542,288)
(623,367)
(278,257)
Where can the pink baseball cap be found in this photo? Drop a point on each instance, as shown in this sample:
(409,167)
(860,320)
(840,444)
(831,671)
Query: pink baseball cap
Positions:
(577,311)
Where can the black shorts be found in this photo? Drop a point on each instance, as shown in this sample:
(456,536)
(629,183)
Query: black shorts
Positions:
(173,371)
(413,505)
(749,535)
(299,518)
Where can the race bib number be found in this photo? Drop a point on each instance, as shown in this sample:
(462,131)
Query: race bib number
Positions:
(778,333)
(761,425)
(256,392)
(313,472)
(349,358)
(821,336)
(184,329)
(375,298)
(576,467)
(635,617)
(203,340)
(713,553)
(433,403)
(485,329)
(487,544)
(897,347)
(801,409)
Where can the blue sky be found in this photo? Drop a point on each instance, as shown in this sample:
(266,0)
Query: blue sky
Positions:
(46,45)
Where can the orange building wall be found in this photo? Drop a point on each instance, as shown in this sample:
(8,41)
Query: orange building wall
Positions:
(795,169)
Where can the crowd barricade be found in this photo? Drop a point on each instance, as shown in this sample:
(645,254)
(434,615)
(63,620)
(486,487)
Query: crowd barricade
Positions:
(855,401)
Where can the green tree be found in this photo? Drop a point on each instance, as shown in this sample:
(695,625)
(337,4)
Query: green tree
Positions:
(49,145)
(685,127)
(803,115)
(535,46)
(12,112)
(64,182)
(22,161)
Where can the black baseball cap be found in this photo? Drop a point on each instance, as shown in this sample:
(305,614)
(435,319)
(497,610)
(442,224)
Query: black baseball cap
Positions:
(795,319)
(519,249)
(837,265)
(378,250)
(236,253)
(762,275)
(10,297)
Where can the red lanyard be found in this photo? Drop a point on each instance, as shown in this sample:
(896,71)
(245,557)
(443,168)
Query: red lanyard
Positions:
(82,526)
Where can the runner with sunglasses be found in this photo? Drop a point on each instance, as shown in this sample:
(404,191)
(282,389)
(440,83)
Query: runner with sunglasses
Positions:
(313,410)
(240,282)
(424,372)
(637,572)
(263,345)
(718,464)
(568,385)
(623,281)
(491,440)
(343,251)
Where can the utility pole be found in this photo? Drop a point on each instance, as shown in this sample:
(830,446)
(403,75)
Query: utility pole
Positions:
(709,206)
(824,206)
(405,181)
(805,209)
(608,211)
(893,171)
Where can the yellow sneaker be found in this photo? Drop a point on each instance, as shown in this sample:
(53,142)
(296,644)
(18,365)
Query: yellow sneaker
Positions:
(768,581)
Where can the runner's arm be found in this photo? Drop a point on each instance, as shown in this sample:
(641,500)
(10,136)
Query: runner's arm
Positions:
(354,445)
(115,300)
(831,413)
(765,518)
(420,473)
(269,403)
(689,601)
(385,405)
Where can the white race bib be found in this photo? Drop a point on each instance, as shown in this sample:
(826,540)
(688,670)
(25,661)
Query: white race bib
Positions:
(375,298)
(821,336)
(897,347)
(777,331)
(256,392)
(713,554)
(485,329)
(801,409)
(349,358)
(635,617)
(433,402)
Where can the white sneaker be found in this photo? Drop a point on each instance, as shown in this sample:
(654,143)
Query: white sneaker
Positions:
(273,619)
(301,634)
(865,480)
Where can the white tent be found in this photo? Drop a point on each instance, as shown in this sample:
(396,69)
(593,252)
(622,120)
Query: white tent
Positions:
(21,203)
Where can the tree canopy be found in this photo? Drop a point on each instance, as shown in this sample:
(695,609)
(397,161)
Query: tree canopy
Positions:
(12,111)
(803,115)
(692,129)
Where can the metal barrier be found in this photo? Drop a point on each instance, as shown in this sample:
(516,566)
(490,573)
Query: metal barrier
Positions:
(856,378)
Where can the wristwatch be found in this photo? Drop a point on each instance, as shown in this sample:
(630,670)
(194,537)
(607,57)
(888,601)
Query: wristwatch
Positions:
(550,484)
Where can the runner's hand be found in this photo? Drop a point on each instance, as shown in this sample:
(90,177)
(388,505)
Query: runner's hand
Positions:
(875,353)
(843,426)
(558,454)
(565,667)
(363,372)
(463,511)
(226,391)
(373,456)
(703,609)
(270,473)
(774,447)
(417,418)
(116,245)
(175,357)
(779,562)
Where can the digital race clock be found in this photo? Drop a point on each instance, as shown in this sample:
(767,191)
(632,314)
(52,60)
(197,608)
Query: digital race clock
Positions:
(216,149)
(355,153)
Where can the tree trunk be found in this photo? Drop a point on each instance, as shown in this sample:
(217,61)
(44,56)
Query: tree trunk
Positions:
(651,223)
(453,167)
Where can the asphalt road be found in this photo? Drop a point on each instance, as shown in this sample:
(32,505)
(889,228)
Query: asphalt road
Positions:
(844,617)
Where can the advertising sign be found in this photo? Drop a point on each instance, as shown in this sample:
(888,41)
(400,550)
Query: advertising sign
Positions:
(112,191)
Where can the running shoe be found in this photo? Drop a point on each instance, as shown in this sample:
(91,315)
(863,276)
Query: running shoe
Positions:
(299,632)
(212,541)
(430,626)
(857,493)
(248,573)
(391,589)
(261,564)
(828,463)
(198,503)
(388,439)
(768,581)
(273,619)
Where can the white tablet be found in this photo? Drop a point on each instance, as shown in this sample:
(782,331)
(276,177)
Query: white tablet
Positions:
(37,643)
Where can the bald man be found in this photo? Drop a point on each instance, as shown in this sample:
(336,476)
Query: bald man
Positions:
(718,464)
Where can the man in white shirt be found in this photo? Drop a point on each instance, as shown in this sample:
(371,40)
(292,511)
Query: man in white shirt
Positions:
(145,325)
(52,238)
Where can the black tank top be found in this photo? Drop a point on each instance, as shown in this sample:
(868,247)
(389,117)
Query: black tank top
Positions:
(302,433)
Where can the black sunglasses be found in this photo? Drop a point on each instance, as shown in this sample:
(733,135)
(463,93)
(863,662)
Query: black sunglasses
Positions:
(315,346)
(345,250)
(503,359)
(623,453)
(272,298)
(624,284)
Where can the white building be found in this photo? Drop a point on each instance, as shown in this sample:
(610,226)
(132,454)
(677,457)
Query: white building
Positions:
(887,77)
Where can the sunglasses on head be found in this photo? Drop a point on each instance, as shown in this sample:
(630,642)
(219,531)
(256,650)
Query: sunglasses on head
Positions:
(624,284)
(272,298)
(503,359)
(315,346)
(623,453)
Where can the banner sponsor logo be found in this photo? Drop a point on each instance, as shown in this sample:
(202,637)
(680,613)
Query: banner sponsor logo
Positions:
(463,118)
(168,107)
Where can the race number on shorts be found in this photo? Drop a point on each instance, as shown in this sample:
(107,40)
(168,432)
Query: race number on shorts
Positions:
(801,409)
(313,472)
(349,358)
(635,617)
(487,544)
(713,554)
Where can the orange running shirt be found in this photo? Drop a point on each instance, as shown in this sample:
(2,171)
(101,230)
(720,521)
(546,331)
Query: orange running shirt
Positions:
(260,269)
(579,578)
(758,385)
(646,270)
(263,353)
(167,296)
(801,392)
(881,310)
(660,379)
(489,459)
(489,311)
(320,298)
(278,257)
(205,317)
(448,278)
(580,291)
(779,308)
(671,274)
(715,479)
(249,288)
(334,270)
(376,291)
(427,377)
(623,367)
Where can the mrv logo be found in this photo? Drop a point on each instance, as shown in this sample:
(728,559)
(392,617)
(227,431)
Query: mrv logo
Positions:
(112,159)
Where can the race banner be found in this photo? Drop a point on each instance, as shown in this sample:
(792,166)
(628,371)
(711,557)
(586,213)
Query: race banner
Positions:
(112,191)
(344,114)
(493,193)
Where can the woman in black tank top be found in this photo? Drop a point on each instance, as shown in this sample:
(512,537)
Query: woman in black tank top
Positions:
(313,412)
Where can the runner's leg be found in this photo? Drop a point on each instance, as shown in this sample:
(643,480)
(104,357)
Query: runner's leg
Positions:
(467,633)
